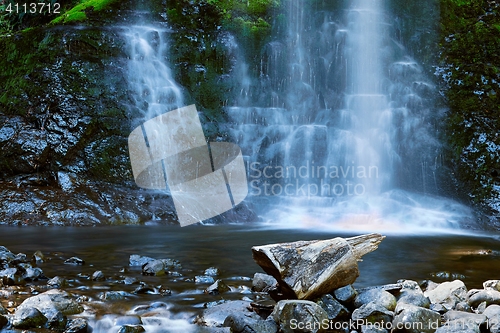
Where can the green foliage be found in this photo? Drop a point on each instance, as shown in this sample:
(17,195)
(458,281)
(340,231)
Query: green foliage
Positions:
(470,71)
(79,12)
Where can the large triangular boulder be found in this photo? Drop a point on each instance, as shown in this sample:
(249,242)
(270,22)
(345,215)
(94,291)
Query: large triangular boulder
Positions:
(309,269)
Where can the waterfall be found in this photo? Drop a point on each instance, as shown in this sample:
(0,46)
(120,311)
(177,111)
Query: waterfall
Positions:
(153,88)
(338,135)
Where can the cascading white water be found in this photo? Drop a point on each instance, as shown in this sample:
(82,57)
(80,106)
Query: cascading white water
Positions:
(152,86)
(343,129)
(365,100)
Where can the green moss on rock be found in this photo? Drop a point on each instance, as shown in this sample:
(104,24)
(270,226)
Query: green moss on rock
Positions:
(470,73)
(79,12)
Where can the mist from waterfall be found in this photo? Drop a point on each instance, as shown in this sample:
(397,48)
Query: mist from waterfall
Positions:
(338,135)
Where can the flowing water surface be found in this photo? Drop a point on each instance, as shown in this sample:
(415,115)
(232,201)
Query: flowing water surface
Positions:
(472,258)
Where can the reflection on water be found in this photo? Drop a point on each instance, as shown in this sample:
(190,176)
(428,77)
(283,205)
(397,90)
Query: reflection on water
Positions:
(228,247)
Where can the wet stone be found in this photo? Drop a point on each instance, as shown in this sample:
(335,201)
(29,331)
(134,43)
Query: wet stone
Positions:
(492,312)
(414,319)
(448,293)
(288,311)
(57,282)
(492,284)
(204,279)
(28,317)
(38,257)
(56,320)
(476,297)
(145,289)
(215,303)
(263,282)
(333,308)
(463,306)
(211,271)
(137,260)
(218,287)
(468,319)
(164,291)
(249,323)
(30,273)
(53,301)
(263,307)
(74,261)
(83,276)
(131,329)
(373,313)
(378,296)
(154,267)
(11,276)
(345,294)
(77,325)
(98,276)
(214,316)
(5,255)
(129,280)
(438,308)
(171,264)
(481,307)
(19,258)
(113,295)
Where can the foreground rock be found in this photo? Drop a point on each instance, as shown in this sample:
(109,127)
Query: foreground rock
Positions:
(53,300)
(290,314)
(16,269)
(310,269)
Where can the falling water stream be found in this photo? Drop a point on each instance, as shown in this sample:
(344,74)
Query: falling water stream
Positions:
(344,141)
(153,88)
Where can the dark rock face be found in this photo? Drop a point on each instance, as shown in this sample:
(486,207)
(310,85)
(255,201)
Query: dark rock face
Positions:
(66,111)
(64,123)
